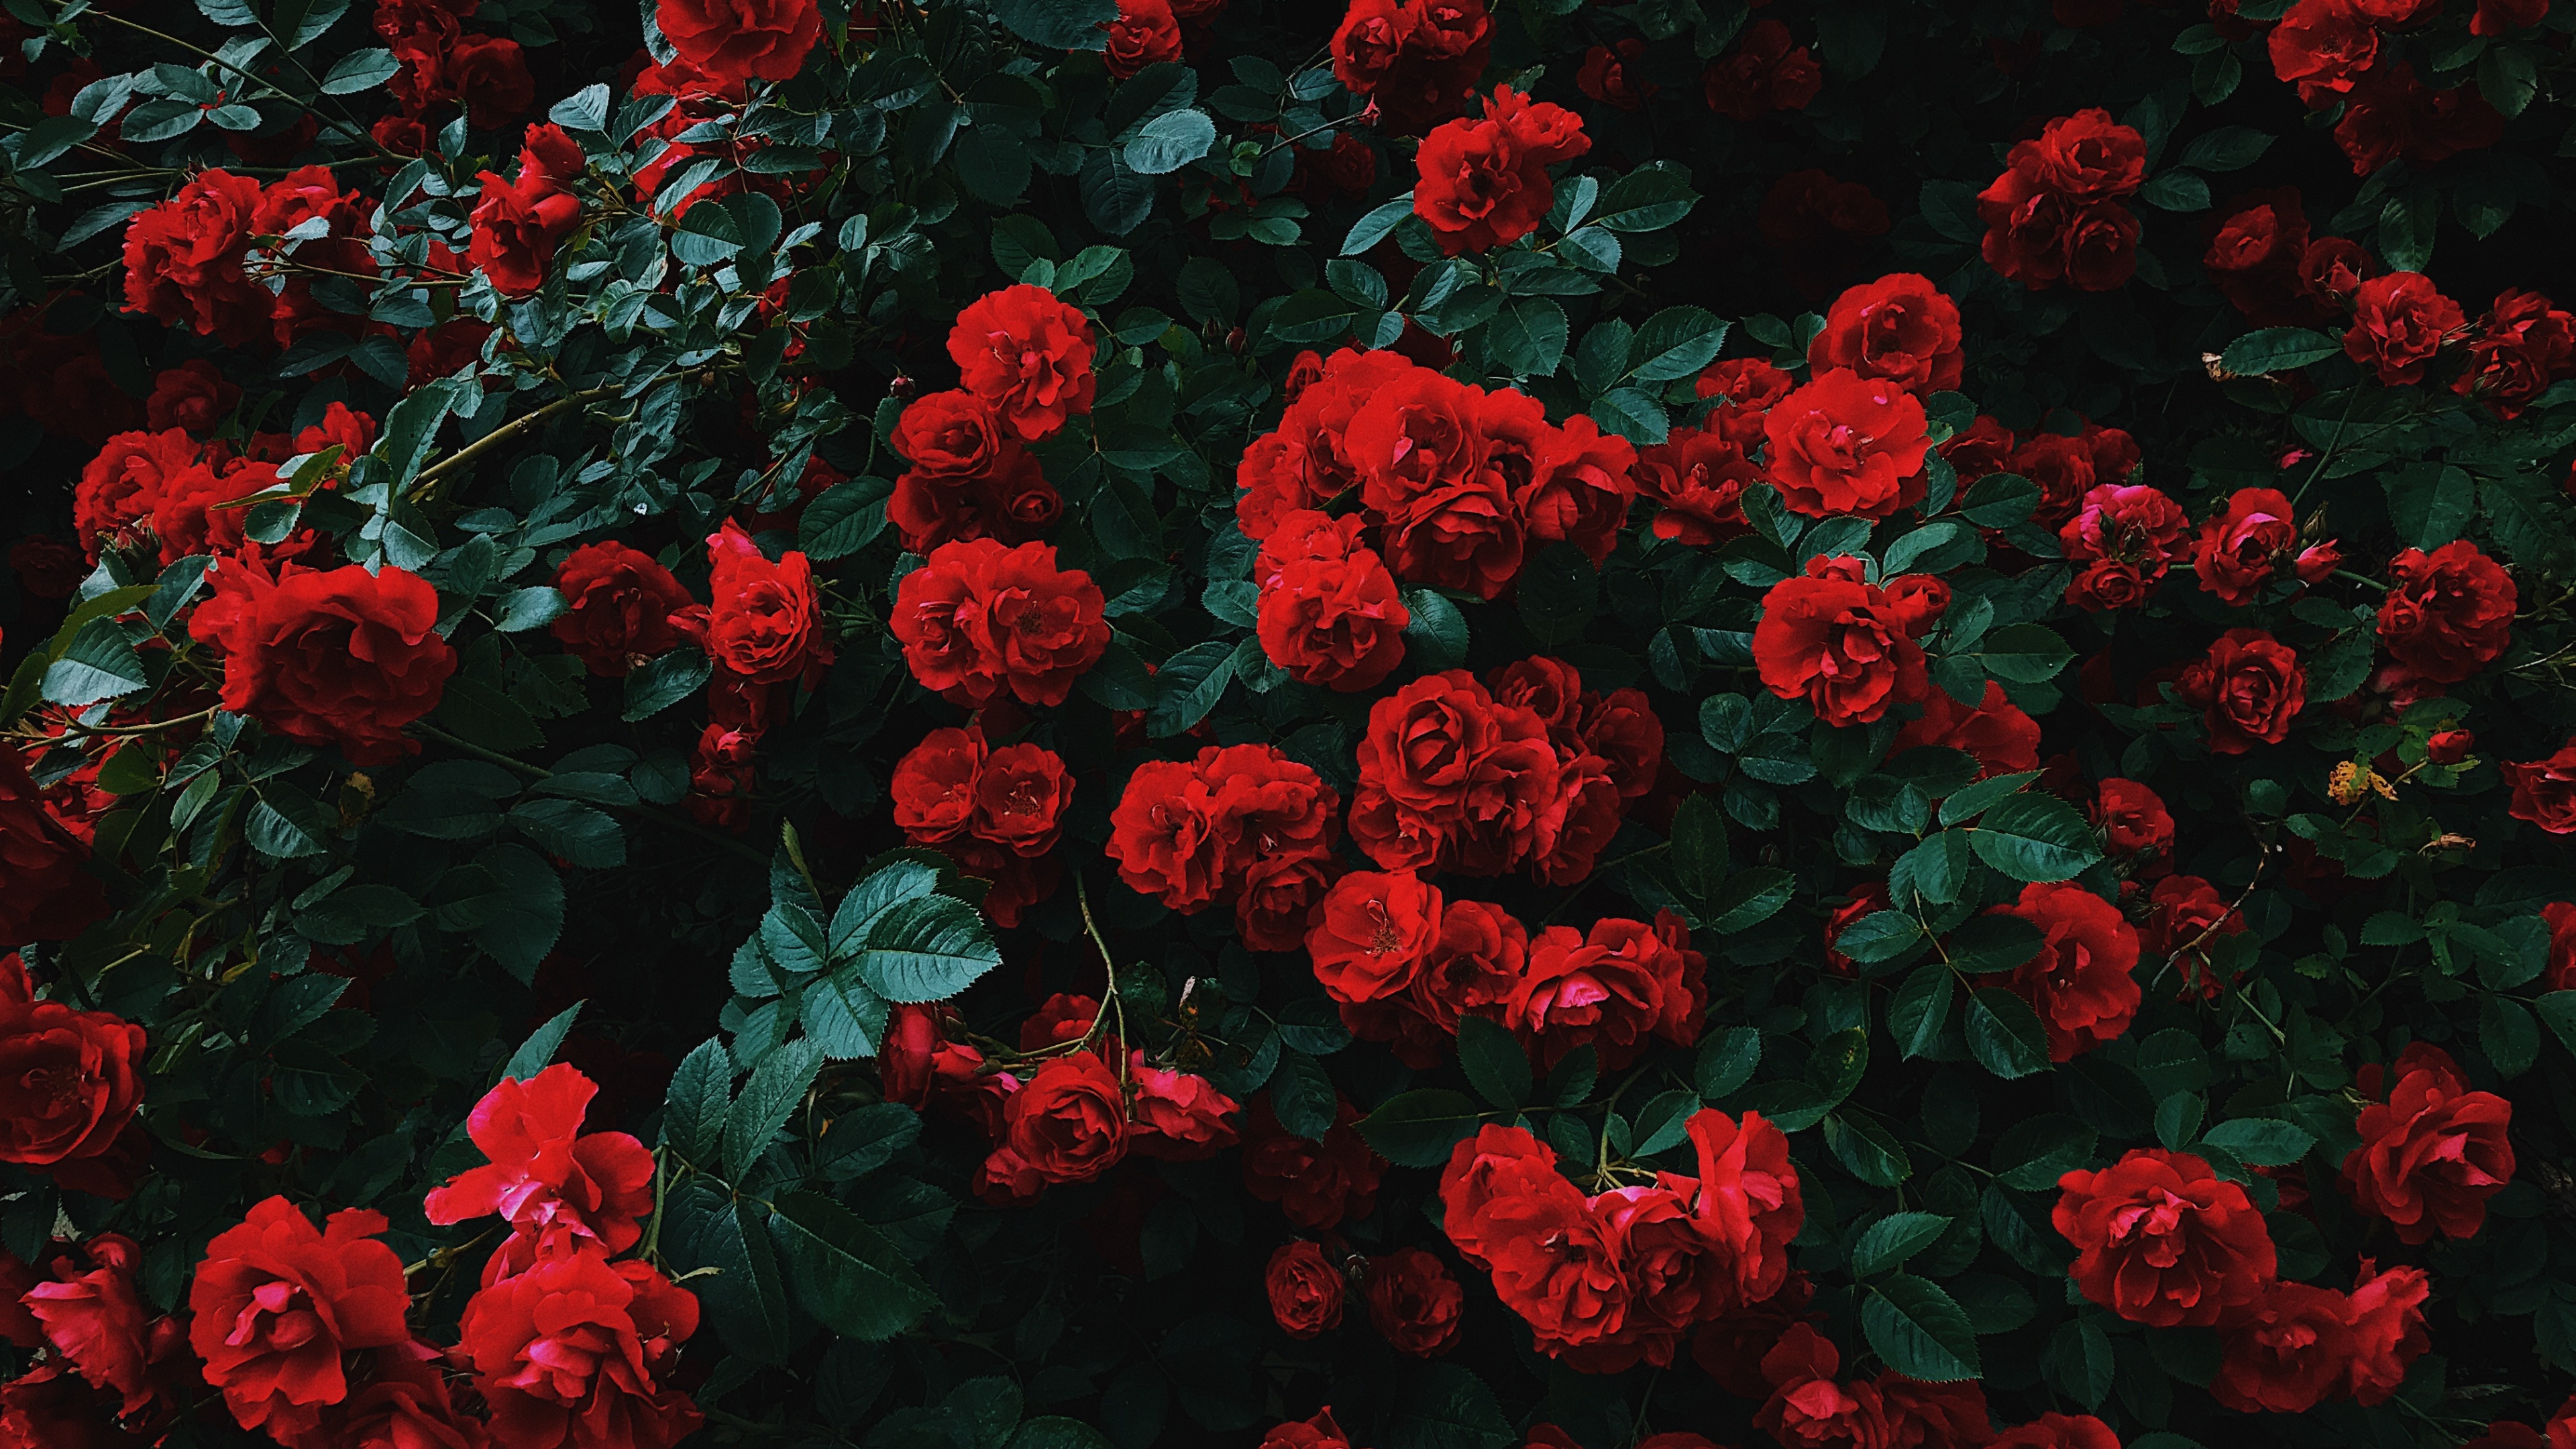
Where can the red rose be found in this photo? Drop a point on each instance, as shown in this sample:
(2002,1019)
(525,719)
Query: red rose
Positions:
(2386,1313)
(1416,61)
(764,622)
(1484,183)
(2059,1431)
(545,1177)
(1021,794)
(1604,75)
(2544,791)
(2036,236)
(733,41)
(1840,645)
(2391,115)
(2186,913)
(193,515)
(1316,1184)
(444,350)
(1329,611)
(1494,1170)
(1807,1408)
(120,487)
(1028,355)
(1307,460)
(1611,990)
(1067,1122)
(338,657)
(2161,1240)
(351,432)
(517,226)
(1450,777)
(1347,166)
(192,396)
(2080,982)
(1319,1432)
(1371,934)
(2322,47)
(491,76)
(407,1406)
(2521,346)
(2333,269)
(2560,916)
(2447,614)
(1178,1116)
(2003,739)
(2255,252)
(978,619)
(1985,447)
(578,1352)
(45,892)
(183,260)
(2286,1352)
(1846,444)
(2399,322)
(1899,329)
(2249,688)
(1749,1202)
(1164,835)
(2501,17)
(1413,1303)
(2084,157)
(618,604)
(1769,71)
(72,1078)
(1579,487)
(1305,1290)
(1145,33)
(92,1317)
(1747,389)
(2124,532)
(1473,966)
(47,567)
(2433,1152)
(1697,480)
(276,1305)
(970,477)
(2240,551)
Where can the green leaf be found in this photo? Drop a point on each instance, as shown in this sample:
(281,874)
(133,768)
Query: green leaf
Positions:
(1866,1150)
(1526,339)
(2508,1035)
(1436,639)
(1879,936)
(572,832)
(360,70)
(1302,1096)
(2263,1141)
(1935,869)
(1893,1239)
(1971,801)
(1054,1431)
(2033,1154)
(2004,1034)
(1443,1406)
(1059,24)
(868,902)
(664,682)
(1417,1129)
(2430,503)
(2034,837)
(1373,228)
(845,1273)
(1726,1061)
(1920,1330)
(1984,943)
(521,925)
(1750,897)
(1675,343)
(1559,593)
(1921,1005)
(2176,191)
(776,1088)
(538,1051)
(1169,142)
(1650,198)
(928,948)
(2277,349)
(100,663)
(693,1109)
(2229,148)
(1189,685)
(1495,1063)
(2025,653)
(745,1298)
(2558,1008)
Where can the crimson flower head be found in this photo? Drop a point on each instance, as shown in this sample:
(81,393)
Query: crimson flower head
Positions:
(545,1175)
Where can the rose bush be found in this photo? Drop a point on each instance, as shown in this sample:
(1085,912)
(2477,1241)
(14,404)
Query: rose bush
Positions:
(1041,724)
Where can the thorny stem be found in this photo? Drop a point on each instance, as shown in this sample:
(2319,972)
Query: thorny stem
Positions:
(1111,1001)
(640,812)
(500,437)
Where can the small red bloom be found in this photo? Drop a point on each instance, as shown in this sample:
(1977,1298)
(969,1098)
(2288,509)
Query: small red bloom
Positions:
(1305,1290)
(2162,1240)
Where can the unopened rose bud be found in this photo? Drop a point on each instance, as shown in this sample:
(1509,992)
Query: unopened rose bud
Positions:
(2449,747)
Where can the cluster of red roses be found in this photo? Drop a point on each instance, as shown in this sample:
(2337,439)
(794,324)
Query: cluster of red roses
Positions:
(1024,361)
(198,260)
(2055,214)
(1526,768)
(1484,184)
(519,222)
(1767,71)
(1085,1105)
(1620,1277)
(1416,60)
(2342,54)
(2162,1240)
(997,812)
(1405,966)
(1329,614)
(1457,483)
(1242,824)
(2401,323)
(1413,1302)
(303,1332)
(73,1078)
(439,64)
